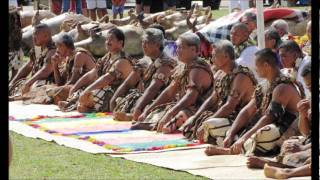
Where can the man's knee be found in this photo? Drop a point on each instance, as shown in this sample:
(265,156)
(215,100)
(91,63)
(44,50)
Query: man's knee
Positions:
(216,128)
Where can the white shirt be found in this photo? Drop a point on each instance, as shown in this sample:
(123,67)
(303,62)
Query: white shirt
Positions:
(247,59)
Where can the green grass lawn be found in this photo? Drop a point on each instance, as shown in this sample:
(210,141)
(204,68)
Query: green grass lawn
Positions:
(39,159)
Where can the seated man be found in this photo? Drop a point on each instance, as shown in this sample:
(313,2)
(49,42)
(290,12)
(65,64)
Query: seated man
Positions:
(282,27)
(146,80)
(39,65)
(267,116)
(69,64)
(244,47)
(233,88)
(112,70)
(293,61)
(295,156)
(191,84)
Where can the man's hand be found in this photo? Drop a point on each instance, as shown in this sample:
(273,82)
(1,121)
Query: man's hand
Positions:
(166,118)
(293,147)
(71,91)
(136,114)
(303,107)
(56,59)
(200,134)
(227,141)
(237,146)
(142,117)
(25,88)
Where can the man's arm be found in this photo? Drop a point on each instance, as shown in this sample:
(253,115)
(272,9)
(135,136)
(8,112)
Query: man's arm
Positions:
(85,80)
(153,89)
(197,81)
(23,72)
(304,122)
(239,88)
(130,82)
(280,95)
(79,62)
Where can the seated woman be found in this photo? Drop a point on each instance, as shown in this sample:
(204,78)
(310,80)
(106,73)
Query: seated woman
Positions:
(295,157)
(69,64)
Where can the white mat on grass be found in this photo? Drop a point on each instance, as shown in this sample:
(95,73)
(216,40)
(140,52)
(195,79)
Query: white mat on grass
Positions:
(193,161)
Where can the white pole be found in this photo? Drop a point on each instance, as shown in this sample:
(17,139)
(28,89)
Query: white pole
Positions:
(260,24)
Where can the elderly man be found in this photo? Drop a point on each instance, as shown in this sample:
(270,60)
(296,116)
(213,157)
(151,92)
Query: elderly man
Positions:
(191,84)
(69,64)
(244,46)
(39,64)
(282,27)
(267,116)
(233,88)
(146,80)
(101,82)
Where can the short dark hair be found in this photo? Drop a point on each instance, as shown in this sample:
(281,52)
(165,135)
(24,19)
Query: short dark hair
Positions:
(66,39)
(251,16)
(160,27)
(291,46)
(268,56)
(118,33)
(306,70)
(273,34)
(41,26)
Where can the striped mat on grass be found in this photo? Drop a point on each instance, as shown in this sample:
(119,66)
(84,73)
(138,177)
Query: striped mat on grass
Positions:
(102,130)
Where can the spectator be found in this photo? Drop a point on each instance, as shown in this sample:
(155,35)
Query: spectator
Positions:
(282,27)
(241,4)
(145,4)
(118,8)
(75,6)
(55,6)
(171,4)
(273,41)
(97,7)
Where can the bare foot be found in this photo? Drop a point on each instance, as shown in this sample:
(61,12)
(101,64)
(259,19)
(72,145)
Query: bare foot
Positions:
(62,104)
(121,116)
(256,162)
(274,172)
(214,150)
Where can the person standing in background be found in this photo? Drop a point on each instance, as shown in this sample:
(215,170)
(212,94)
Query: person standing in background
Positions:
(143,5)
(75,6)
(118,8)
(55,6)
(97,7)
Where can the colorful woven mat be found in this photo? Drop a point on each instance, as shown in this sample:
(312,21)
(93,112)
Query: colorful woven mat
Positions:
(101,129)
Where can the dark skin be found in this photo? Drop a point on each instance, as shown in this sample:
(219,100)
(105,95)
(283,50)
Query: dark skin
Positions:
(81,60)
(153,51)
(41,37)
(242,88)
(284,94)
(199,77)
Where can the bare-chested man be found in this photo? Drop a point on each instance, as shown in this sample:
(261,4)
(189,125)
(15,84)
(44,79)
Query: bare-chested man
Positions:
(39,65)
(146,80)
(295,157)
(69,64)
(191,84)
(275,107)
(101,82)
(233,88)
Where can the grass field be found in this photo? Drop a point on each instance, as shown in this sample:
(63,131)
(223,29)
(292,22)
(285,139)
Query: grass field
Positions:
(38,159)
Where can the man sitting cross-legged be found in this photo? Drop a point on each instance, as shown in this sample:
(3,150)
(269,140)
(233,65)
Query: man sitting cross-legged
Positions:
(146,80)
(267,116)
(233,88)
(295,157)
(191,84)
(97,86)
(69,64)
(39,65)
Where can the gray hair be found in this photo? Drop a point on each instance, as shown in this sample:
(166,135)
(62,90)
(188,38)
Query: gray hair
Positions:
(226,47)
(65,39)
(280,24)
(154,35)
(191,39)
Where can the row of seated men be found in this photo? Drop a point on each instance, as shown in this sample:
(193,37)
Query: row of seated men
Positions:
(223,101)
